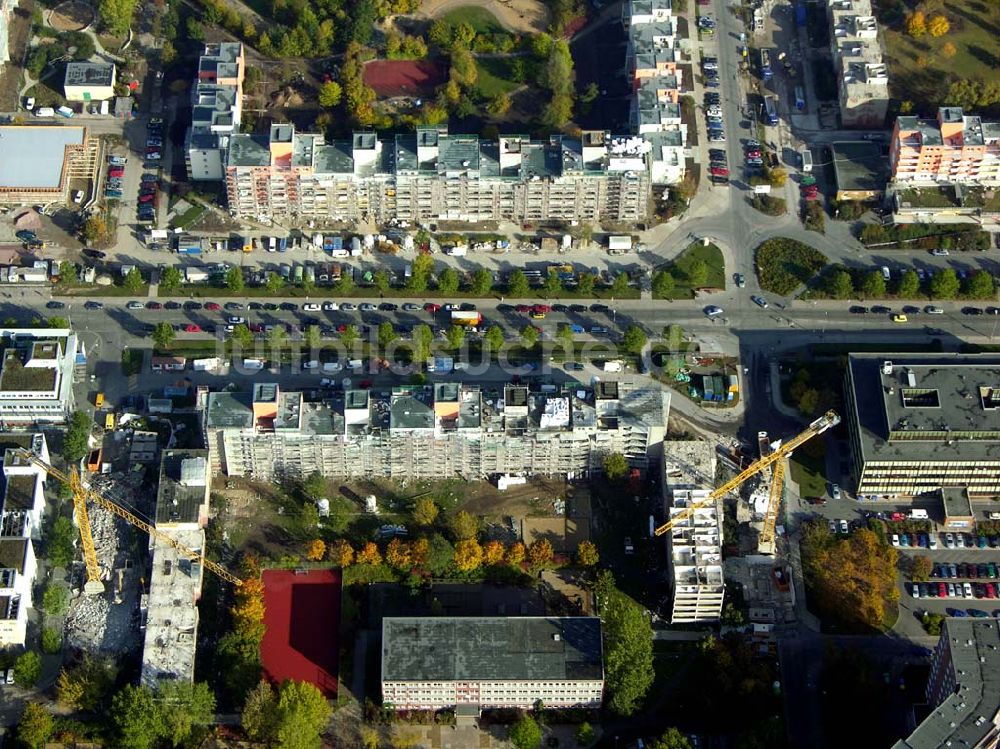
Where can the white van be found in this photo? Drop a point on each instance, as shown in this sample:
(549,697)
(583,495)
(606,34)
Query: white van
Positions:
(885,272)
(918,514)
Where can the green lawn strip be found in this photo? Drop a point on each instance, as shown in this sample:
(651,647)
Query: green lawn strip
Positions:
(478,18)
(188,218)
(491,79)
(680,269)
(808,473)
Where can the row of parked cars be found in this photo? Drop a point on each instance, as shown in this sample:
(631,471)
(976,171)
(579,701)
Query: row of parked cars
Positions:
(149,187)
(949,540)
(969,570)
(953,590)
(115,177)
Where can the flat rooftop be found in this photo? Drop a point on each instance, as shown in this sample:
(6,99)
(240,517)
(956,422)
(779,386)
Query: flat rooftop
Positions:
(182,492)
(15,377)
(229,411)
(859,166)
(32,156)
(89,74)
(968,716)
(491,649)
(928,407)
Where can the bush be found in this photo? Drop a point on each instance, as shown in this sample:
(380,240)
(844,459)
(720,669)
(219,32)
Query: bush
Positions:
(813,217)
(782,265)
(51,640)
(769,206)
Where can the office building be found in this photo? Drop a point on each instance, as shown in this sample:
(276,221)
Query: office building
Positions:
(694,542)
(170,608)
(651,59)
(89,81)
(431,174)
(434,431)
(20,528)
(36,376)
(963,689)
(491,662)
(37,162)
(216,109)
(862,75)
(952,149)
(920,423)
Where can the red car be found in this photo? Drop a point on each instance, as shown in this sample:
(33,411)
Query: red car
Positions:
(149,197)
(942,590)
(542,309)
(810,196)
(191,328)
(753,154)
(524,308)
(256,327)
(991,590)
(212,307)
(154,305)
(432,308)
(719,171)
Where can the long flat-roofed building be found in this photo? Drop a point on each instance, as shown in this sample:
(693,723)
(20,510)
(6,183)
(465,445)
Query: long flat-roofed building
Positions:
(182,502)
(434,431)
(37,162)
(963,689)
(491,662)
(36,376)
(919,423)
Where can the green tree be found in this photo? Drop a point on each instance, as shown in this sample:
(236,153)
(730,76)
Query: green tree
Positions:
(586,554)
(422,338)
(184,705)
(529,336)
(628,647)
(565,336)
(873,285)
(274,283)
(448,281)
(980,285)
(330,94)
(456,336)
(163,335)
(697,273)
(116,15)
(234,279)
(585,284)
(620,286)
(133,282)
(494,337)
(59,540)
(277,336)
(28,669)
(615,466)
(663,284)
(35,726)
(482,282)
(386,334)
(67,273)
(552,283)
(242,336)
(671,739)
(381,280)
(585,734)
(313,337)
(55,600)
(258,717)
(57,322)
(909,285)
(634,339)
(76,443)
(945,284)
(301,714)
(315,486)
(425,511)
(526,733)
(95,230)
(137,718)
(517,284)
(920,568)
(51,640)
(350,336)
(464,526)
(840,285)
(170,279)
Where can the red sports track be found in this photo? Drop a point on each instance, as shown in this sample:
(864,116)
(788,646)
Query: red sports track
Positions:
(404,77)
(302,615)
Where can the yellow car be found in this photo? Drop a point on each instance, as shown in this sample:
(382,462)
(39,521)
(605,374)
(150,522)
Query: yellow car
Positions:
(899,318)
(537,315)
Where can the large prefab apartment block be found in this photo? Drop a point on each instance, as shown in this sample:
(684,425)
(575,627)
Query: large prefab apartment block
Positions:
(491,662)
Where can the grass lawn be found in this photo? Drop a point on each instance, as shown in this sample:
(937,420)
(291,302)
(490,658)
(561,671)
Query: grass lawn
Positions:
(187,218)
(783,265)
(492,77)
(681,267)
(478,18)
(921,74)
(807,472)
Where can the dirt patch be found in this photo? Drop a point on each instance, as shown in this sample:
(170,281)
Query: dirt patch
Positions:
(71,16)
(404,77)
(10,77)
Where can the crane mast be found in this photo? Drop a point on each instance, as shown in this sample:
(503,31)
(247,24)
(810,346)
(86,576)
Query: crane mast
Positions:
(777,457)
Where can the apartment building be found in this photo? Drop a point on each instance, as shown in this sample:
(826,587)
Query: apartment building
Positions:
(434,431)
(6,16)
(37,162)
(216,109)
(952,149)
(963,689)
(20,528)
(431,174)
(862,75)
(36,376)
(491,662)
(170,611)
(694,542)
(921,423)
(651,59)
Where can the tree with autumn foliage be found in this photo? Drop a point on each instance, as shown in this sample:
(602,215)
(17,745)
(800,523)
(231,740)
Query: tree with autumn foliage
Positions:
(239,649)
(916,24)
(854,576)
(938,26)
(493,554)
(397,554)
(468,555)
(420,552)
(316,550)
(586,554)
(340,552)
(369,554)
(464,526)
(540,552)
(515,554)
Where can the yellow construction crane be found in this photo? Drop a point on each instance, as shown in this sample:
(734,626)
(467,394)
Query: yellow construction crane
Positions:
(773,503)
(81,493)
(776,457)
